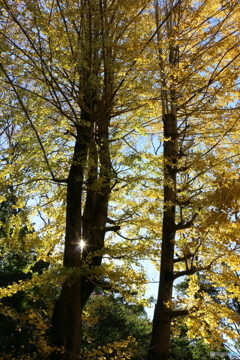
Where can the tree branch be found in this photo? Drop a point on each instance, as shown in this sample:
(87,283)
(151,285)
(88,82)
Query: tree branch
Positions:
(183,258)
(191,271)
(112,228)
(188,224)
(32,125)
(183,312)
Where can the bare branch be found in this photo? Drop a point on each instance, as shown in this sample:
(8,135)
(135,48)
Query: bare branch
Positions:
(183,312)
(111,228)
(188,224)
(191,271)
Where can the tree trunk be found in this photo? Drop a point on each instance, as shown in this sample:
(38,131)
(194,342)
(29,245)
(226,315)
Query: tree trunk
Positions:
(66,319)
(160,342)
(86,222)
(159,347)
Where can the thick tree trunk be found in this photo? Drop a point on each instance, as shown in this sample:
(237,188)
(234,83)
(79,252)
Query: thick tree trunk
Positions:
(66,319)
(159,347)
(86,219)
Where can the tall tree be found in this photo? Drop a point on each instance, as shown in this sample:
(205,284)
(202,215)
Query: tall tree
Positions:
(197,83)
(65,70)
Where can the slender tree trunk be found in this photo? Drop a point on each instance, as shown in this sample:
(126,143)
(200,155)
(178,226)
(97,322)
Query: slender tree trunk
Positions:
(159,347)
(160,342)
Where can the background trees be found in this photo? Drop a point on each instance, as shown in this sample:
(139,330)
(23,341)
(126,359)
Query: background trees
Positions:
(25,314)
(115,328)
(89,101)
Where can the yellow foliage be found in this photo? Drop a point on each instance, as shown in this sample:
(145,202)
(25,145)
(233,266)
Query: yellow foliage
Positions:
(40,108)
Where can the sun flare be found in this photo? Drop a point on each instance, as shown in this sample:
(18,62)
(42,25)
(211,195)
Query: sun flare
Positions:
(81,244)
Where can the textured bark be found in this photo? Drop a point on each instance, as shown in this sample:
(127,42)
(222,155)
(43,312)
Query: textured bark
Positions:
(159,347)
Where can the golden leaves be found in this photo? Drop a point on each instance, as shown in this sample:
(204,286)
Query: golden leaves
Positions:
(48,59)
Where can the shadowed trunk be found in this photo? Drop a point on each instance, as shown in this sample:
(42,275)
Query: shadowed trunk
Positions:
(86,219)
(88,185)
(160,342)
(159,347)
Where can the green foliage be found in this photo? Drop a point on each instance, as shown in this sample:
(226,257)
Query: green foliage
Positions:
(23,315)
(182,348)
(111,319)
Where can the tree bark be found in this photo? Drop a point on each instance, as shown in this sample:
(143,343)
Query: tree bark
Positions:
(66,319)
(85,219)
(89,185)
(159,346)
(160,342)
